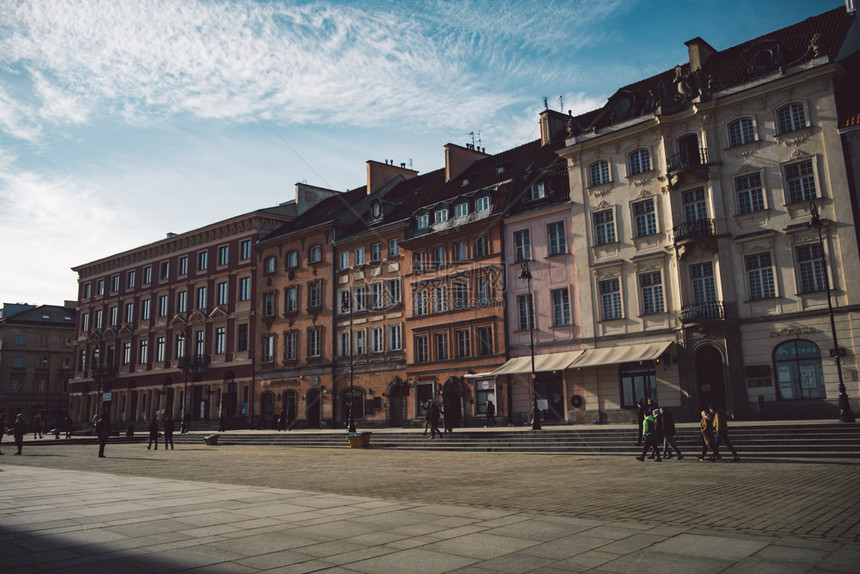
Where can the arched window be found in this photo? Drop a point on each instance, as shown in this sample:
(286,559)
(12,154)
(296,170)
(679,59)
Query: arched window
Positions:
(638,383)
(598,173)
(741,132)
(639,161)
(791,117)
(798,370)
(270,265)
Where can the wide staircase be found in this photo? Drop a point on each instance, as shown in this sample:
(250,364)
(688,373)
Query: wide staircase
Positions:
(752,440)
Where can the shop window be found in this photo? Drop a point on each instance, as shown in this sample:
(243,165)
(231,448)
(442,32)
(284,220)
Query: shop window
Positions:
(638,383)
(798,370)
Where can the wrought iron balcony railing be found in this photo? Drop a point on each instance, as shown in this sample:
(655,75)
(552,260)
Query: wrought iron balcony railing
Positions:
(687,159)
(697,229)
(708,312)
(194,363)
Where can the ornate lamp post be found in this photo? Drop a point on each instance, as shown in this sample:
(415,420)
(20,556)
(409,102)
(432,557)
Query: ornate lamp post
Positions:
(346,307)
(845,414)
(183,345)
(46,360)
(526,276)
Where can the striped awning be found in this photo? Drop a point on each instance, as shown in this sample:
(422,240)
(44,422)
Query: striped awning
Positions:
(547,362)
(621,354)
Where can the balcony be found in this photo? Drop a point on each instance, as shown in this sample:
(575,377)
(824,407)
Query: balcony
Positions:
(194,363)
(698,229)
(709,312)
(104,371)
(690,163)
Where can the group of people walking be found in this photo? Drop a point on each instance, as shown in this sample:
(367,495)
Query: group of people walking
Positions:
(20,428)
(169,429)
(657,434)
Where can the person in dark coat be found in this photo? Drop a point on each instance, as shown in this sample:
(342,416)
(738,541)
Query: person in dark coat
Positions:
(433,415)
(657,439)
(649,435)
(491,413)
(103,432)
(706,427)
(20,429)
(721,432)
(58,426)
(640,416)
(153,434)
(169,429)
(68,426)
(667,426)
(37,427)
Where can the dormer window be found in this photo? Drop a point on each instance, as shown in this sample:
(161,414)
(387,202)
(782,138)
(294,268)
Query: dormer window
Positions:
(465,182)
(461,209)
(537,191)
(440,215)
(423,221)
(482,204)
(376,210)
(500,169)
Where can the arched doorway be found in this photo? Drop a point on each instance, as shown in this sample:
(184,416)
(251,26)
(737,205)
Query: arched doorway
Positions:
(313,413)
(267,409)
(290,401)
(709,376)
(452,401)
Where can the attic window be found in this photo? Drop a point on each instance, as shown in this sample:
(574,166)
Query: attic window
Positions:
(500,169)
(376,210)
(423,221)
(465,182)
(441,215)
(461,209)
(482,203)
(537,191)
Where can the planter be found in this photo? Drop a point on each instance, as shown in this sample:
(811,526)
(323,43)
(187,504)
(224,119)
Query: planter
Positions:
(211,439)
(358,439)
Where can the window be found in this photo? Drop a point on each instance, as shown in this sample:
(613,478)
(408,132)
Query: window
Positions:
(202,261)
(220,340)
(162,306)
(291,342)
(160,346)
(604,227)
(393,247)
(87,291)
(440,299)
(482,203)
(126,352)
(244,289)
(750,197)
(392,287)
(810,263)
(418,261)
(147,276)
(464,347)
(420,303)
(314,295)
(423,221)
(359,256)
(314,342)
(522,245)
(98,320)
(201,297)
(360,346)
(639,161)
(702,279)
(292,259)
(598,173)
(359,298)
(800,181)
(291,299)
(790,118)
(343,344)
(524,312)
(85,322)
(18,362)
(440,216)
(268,347)
(537,191)
(143,356)
(459,252)
(482,246)
(376,252)
(741,132)
(638,383)
(760,276)
(269,265)
(268,304)
(129,313)
(695,207)
(100,285)
(441,342)
(199,342)
(114,283)
(439,256)
(242,337)
(610,299)
(484,291)
(799,372)
(485,340)
(560,307)
(651,287)
(344,260)
(245,249)
(421,354)
(395,337)
(377,344)
(223,293)
(376,301)
(461,295)
(644,218)
(315,254)
(130,276)
(113,315)
(461,210)
(556,238)
(224,255)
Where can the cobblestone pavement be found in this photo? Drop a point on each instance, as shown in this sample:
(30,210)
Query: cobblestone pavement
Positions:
(816,500)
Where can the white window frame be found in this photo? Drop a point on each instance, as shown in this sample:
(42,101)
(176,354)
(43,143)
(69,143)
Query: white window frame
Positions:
(525,312)
(522,245)
(461,209)
(423,221)
(440,215)
(561,316)
(482,203)
(598,173)
(811,270)
(761,281)
(639,161)
(610,299)
(806,176)
(644,214)
(651,291)
(556,238)
(610,235)
(395,337)
(537,191)
(749,193)
(315,253)
(291,345)
(791,117)
(741,131)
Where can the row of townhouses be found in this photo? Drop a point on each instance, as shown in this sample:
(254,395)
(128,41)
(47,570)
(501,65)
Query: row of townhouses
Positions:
(684,243)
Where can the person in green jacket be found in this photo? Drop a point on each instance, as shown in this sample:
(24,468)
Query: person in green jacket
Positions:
(649,433)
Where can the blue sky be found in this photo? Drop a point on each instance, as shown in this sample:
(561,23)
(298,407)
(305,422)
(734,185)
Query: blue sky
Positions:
(122,120)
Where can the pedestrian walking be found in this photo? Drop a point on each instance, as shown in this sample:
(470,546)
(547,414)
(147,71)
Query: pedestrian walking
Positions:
(649,437)
(103,432)
(2,429)
(658,434)
(721,432)
(707,429)
(20,429)
(169,429)
(153,434)
(667,426)
(222,423)
(491,413)
(68,425)
(37,427)
(640,416)
(433,414)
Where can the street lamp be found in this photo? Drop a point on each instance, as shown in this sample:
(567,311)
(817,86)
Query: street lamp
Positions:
(183,427)
(526,276)
(46,360)
(346,307)
(845,414)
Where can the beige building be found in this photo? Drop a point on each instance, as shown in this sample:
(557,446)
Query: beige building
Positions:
(701,278)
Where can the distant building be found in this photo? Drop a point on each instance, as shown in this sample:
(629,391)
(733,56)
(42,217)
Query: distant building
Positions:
(36,361)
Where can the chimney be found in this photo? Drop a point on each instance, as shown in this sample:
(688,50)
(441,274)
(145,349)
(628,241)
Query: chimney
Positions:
(699,51)
(458,158)
(552,123)
(380,174)
(308,196)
